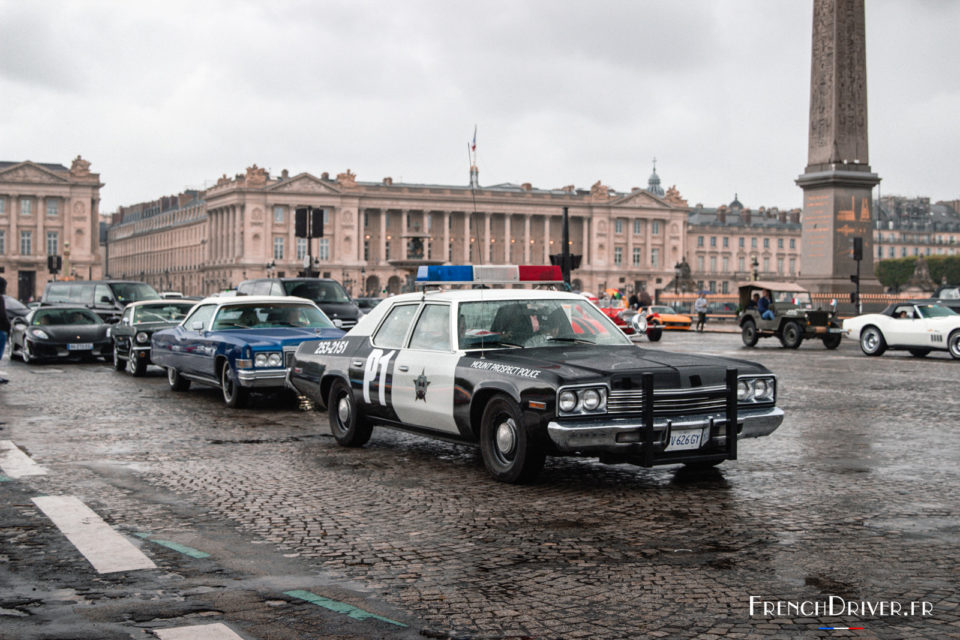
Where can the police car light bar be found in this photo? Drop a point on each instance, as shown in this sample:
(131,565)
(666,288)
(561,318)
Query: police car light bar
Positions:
(489,274)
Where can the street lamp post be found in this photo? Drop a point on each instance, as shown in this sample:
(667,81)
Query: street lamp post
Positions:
(677,272)
(756,267)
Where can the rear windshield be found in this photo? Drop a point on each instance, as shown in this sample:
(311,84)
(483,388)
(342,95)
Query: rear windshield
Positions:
(55,317)
(127,292)
(70,293)
(316,290)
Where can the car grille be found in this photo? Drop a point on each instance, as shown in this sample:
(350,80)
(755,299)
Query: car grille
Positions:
(670,402)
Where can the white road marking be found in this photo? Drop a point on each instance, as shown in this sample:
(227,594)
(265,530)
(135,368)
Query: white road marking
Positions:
(16,464)
(216,631)
(107,550)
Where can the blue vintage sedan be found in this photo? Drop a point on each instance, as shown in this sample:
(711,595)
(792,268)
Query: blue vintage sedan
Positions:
(239,343)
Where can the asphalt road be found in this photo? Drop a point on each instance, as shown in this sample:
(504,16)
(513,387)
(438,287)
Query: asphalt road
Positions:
(258,521)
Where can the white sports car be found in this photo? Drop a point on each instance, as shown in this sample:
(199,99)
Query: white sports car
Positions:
(919,327)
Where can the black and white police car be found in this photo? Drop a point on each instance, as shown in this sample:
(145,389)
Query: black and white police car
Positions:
(528,373)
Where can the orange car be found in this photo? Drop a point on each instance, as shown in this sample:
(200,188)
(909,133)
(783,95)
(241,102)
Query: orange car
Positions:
(669,318)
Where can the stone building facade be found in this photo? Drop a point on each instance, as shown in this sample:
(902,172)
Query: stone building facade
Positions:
(908,227)
(47,209)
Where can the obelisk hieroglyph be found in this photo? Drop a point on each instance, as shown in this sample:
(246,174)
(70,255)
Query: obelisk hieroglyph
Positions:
(838,182)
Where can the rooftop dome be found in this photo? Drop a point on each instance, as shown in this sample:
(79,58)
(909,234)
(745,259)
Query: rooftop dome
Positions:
(653,184)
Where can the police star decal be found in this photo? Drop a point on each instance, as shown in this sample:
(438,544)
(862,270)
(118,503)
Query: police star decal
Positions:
(421,384)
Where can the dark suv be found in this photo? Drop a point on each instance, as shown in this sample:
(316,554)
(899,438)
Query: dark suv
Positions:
(106,298)
(328,294)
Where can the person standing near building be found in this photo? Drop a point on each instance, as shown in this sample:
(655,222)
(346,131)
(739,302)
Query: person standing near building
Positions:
(700,307)
(4,323)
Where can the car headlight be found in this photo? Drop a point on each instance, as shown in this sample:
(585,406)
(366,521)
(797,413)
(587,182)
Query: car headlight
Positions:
(142,337)
(591,399)
(39,333)
(743,390)
(568,401)
(756,389)
(268,359)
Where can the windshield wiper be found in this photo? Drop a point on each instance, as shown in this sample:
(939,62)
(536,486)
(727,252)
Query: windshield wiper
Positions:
(570,339)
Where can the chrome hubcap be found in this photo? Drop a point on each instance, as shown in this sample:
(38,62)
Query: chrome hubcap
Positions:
(506,437)
(343,410)
(871,340)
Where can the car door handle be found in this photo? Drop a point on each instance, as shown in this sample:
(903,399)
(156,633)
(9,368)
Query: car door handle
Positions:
(358,363)
(403,367)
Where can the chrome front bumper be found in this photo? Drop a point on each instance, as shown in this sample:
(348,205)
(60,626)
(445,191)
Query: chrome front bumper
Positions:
(262,378)
(618,435)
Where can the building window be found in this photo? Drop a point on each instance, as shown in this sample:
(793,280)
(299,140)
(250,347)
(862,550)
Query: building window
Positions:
(323,249)
(655,258)
(26,243)
(53,243)
(3,241)
(793,266)
(780,265)
(53,207)
(301,248)
(793,243)
(278,215)
(326,217)
(893,252)
(700,263)
(753,243)
(386,251)
(741,263)
(366,250)
(766,243)
(637,257)
(637,227)
(26,206)
(699,241)
(725,287)
(618,224)
(903,252)
(740,244)
(655,227)
(713,241)
(278,248)
(713,265)
(779,243)
(766,265)
(726,264)
(3,206)
(726,242)
(713,286)
(879,252)
(618,255)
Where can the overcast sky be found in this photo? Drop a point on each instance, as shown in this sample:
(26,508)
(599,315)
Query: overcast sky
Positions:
(165,96)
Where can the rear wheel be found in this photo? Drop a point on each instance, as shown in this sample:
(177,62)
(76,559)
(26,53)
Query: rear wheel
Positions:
(832,340)
(953,344)
(176,381)
(655,332)
(117,360)
(748,332)
(505,445)
(872,342)
(791,335)
(346,424)
(234,395)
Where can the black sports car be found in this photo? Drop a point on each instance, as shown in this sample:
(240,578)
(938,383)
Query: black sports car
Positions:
(60,333)
(131,335)
(525,374)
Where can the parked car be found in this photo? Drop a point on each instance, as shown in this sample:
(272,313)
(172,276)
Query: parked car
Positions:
(918,326)
(131,335)
(528,373)
(171,294)
(60,332)
(669,317)
(106,298)
(622,316)
(794,318)
(238,344)
(948,296)
(366,305)
(327,294)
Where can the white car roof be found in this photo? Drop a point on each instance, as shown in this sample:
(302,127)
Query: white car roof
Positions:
(228,300)
(140,303)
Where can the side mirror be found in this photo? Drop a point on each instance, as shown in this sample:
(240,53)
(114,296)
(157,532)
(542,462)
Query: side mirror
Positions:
(196,325)
(19,321)
(105,299)
(113,320)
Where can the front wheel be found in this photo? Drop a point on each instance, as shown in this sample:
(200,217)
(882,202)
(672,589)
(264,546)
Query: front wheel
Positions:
(136,366)
(953,344)
(505,445)
(748,332)
(346,424)
(872,342)
(234,395)
(176,381)
(792,335)
(117,360)
(832,340)
(654,333)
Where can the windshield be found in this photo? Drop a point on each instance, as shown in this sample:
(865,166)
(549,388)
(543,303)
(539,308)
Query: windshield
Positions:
(799,298)
(166,312)
(950,294)
(267,316)
(534,323)
(127,292)
(935,311)
(317,290)
(660,309)
(55,317)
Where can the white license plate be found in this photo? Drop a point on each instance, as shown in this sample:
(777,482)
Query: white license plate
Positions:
(687,439)
(80,346)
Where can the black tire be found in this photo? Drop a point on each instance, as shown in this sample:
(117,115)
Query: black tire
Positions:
(25,354)
(791,335)
(117,360)
(505,445)
(176,381)
(346,424)
(135,365)
(832,340)
(919,353)
(748,332)
(654,333)
(953,344)
(872,342)
(234,395)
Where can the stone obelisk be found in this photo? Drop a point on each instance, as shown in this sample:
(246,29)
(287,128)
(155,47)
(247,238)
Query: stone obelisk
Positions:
(838,182)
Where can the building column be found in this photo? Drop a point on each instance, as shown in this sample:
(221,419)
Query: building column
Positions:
(585,261)
(467,246)
(487,251)
(526,239)
(383,237)
(446,237)
(546,240)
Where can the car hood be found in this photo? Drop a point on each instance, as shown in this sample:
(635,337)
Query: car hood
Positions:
(280,335)
(589,362)
(73,333)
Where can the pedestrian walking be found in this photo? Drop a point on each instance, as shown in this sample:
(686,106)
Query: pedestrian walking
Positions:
(700,307)
(4,323)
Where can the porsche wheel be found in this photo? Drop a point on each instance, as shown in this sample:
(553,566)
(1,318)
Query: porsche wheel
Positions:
(505,445)
(872,342)
(748,332)
(346,424)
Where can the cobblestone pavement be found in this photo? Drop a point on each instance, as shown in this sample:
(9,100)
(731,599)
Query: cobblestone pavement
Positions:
(855,497)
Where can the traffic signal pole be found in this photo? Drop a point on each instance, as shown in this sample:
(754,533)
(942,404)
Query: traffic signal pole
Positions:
(565,252)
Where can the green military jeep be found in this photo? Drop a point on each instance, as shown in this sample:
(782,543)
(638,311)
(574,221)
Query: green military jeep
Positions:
(794,318)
